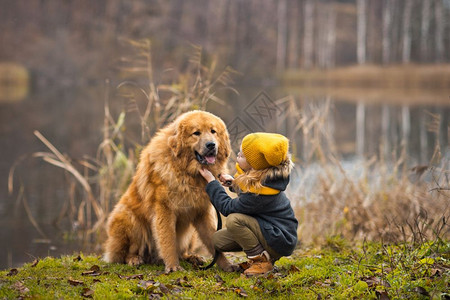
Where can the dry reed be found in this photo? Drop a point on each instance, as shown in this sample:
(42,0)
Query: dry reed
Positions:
(377,198)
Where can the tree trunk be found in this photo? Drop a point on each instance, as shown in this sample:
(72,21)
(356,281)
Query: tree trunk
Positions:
(406,53)
(331,38)
(281,35)
(424,30)
(387,22)
(397,9)
(294,34)
(320,42)
(439,34)
(361,55)
(308,37)
(361,30)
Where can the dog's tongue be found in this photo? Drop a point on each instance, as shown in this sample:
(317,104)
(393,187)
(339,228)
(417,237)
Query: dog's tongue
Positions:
(210,159)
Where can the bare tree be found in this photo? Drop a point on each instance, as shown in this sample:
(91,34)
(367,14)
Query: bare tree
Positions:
(406,33)
(387,23)
(321,36)
(361,30)
(424,29)
(386,58)
(294,33)
(361,55)
(281,35)
(308,37)
(439,30)
(331,37)
(326,36)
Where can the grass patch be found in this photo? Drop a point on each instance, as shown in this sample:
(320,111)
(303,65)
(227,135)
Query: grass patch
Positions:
(336,270)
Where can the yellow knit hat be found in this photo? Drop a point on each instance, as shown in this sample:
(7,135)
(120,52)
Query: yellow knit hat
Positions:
(262,150)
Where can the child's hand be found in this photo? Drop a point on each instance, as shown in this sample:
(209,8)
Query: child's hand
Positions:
(207,175)
(226,180)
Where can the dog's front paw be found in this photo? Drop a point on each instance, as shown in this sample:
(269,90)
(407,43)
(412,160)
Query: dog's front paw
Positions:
(135,260)
(171,269)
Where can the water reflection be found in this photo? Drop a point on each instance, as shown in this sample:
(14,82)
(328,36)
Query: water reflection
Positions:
(73,123)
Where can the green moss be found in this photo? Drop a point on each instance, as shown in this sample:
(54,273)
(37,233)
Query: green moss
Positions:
(339,271)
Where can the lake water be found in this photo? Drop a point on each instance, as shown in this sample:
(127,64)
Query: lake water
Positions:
(72,120)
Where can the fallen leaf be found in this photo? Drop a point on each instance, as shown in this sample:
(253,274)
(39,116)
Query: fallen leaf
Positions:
(420,290)
(34,263)
(93,271)
(241,292)
(75,282)
(182,282)
(382,295)
(20,287)
(12,272)
(163,288)
(135,276)
(372,281)
(272,275)
(255,288)
(435,273)
(294,269)
(95,268)
(87,292)
(218,279)
(146,284)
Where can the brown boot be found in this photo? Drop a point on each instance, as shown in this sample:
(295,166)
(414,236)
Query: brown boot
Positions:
(259,264)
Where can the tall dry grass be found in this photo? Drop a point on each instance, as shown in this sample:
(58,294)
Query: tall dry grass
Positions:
(376,198)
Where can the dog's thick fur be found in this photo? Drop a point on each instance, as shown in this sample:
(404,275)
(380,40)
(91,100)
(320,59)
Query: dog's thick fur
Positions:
(154,219)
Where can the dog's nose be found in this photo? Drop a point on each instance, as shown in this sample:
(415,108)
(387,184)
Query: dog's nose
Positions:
(210,145)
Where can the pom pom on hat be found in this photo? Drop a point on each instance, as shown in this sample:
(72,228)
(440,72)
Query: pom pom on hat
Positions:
(263,150)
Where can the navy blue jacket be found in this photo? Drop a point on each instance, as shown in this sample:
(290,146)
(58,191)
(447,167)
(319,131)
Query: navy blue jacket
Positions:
(273,212)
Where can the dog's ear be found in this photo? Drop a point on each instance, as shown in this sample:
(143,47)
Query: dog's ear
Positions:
(176,140)
(174,145)
(225,143)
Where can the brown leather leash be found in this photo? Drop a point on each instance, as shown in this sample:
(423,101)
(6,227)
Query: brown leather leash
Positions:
(216,253)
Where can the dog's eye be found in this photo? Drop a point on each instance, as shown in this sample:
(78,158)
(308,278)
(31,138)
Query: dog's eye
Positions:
(213,131)
(197,133)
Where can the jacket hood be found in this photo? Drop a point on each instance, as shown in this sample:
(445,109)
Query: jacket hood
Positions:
(278,177)
(279,183)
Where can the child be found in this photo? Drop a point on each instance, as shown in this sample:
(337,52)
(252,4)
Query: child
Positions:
(261,220)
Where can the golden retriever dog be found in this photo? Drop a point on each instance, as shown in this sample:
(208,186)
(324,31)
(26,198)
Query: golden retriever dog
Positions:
(155,218)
